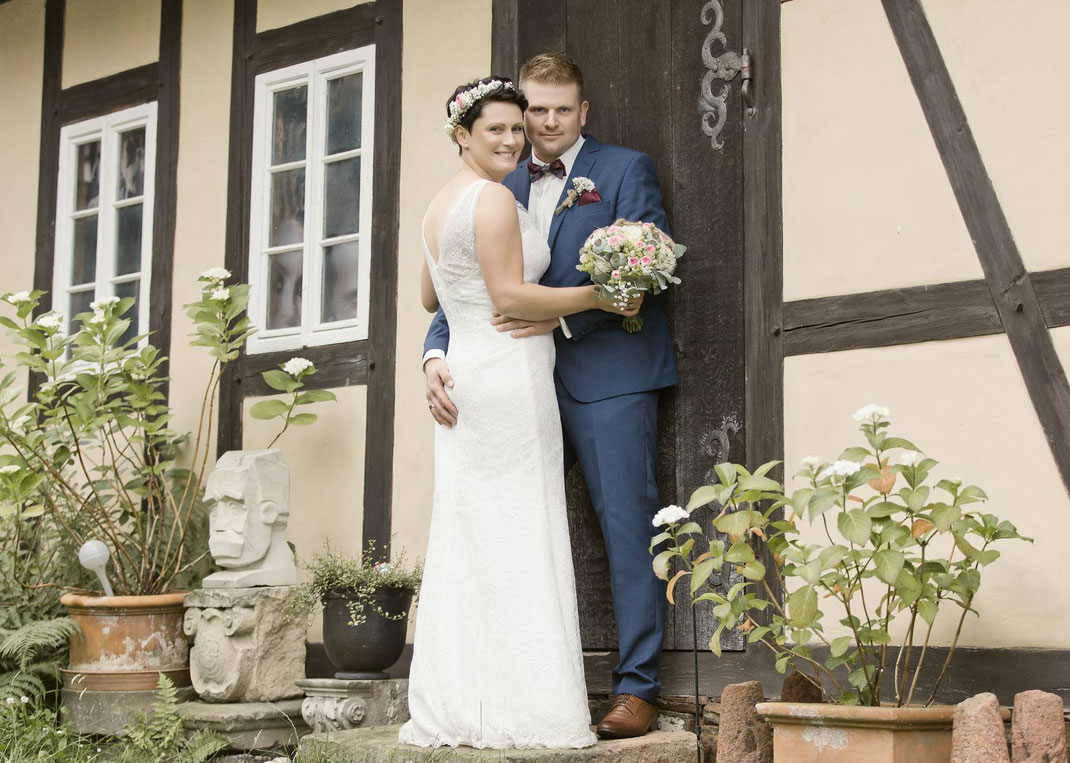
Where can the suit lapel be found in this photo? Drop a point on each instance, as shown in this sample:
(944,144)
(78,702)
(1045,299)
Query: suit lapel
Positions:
(580,168)
(522,190)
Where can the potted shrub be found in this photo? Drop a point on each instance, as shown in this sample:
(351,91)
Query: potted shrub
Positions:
(366,606)
(91,456)
(889,547)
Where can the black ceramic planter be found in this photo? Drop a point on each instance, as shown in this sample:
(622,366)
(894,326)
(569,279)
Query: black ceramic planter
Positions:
(365,650)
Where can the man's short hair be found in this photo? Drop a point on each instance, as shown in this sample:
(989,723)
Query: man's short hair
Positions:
(553,69)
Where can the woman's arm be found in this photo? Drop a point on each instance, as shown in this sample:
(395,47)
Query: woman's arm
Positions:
(501,259)
(427,289)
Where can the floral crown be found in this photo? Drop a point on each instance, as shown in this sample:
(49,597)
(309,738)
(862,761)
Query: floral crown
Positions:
(466,99)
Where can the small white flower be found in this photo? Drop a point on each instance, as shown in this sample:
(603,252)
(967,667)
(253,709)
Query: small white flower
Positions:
(24,700)
(871,411)
(221,294)
(102,304)
(52,321)
(295,366)
(840,469)
(910,458)
(382,568)
(582,184)
(9,469)
(670,515)
(215,274)
(811,461)
(10,700)
(98,317)
(18,298)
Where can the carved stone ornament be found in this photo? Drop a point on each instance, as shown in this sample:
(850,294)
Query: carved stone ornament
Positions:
(336,704)
(724,67)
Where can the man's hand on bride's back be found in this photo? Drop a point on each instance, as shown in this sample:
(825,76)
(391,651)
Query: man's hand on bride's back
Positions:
(438,377)
(519,329)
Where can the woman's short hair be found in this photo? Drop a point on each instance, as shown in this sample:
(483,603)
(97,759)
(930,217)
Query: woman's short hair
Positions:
(553,69)
(501,95)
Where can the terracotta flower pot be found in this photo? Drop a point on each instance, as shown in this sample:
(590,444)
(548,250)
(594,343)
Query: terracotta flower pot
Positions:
(828,733)
(125,643)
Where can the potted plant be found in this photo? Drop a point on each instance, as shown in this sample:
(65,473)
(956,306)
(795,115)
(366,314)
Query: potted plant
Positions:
(366,606)
(885,547)
(91,456)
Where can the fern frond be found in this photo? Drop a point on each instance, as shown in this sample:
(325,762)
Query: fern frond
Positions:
(20,683)
(35,638)
(202,746)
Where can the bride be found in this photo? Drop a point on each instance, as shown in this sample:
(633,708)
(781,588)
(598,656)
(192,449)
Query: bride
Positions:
(497,660)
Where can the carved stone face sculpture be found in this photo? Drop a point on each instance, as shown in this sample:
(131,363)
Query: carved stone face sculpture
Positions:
(249,494)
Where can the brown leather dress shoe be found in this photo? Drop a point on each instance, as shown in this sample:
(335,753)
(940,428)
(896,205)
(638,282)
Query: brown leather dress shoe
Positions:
(630,717)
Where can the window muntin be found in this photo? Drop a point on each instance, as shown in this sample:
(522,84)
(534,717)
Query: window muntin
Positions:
(310,210)
(104,214)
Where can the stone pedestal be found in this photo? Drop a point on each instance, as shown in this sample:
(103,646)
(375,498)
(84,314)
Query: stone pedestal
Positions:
(244,649)
(248,725)
(334,704)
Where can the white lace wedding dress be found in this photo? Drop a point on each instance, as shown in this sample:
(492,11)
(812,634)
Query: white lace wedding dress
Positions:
(497,660)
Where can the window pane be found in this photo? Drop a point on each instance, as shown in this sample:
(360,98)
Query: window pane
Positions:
(87,173)
(343,113)
(84,256)
(128,239)
(340,282)
(288,134)
(131,164)
(284,290)
(79,304)
(341,197)
(287,207)
(124,290)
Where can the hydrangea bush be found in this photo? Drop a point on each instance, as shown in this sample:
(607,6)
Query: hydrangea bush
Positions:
(899,546)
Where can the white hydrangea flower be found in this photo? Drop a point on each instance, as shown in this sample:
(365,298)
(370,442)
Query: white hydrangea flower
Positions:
(221,295)
(9,469)
(871,411)
(102,304)
(842,468)
(215,274)
(18,298)
(670,515)
(98,317)
(51,321)
(910,458)
(811,461)
(295,366)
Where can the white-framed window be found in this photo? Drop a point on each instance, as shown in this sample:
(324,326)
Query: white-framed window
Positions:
(104,209)
(311,202)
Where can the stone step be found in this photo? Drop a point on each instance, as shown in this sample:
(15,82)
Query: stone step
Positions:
(379,744)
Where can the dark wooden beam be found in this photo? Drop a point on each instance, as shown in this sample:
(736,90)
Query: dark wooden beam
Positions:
(1008,282)
(1053,289)
(337,365)
(386,192)
(895,316)
(763,246)
(317,37)
(48,162)
(118,91)
(166,193)
(503,39)
(239,179)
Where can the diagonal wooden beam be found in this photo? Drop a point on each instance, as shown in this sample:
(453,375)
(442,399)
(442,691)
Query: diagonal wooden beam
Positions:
(1008,281)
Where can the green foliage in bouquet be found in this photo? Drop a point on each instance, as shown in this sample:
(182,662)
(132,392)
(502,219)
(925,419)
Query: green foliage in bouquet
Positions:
(897,546)
(358,578)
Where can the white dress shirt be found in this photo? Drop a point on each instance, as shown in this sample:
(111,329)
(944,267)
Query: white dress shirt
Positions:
(542,201)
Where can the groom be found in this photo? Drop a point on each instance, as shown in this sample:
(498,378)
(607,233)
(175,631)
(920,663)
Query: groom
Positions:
(607,379)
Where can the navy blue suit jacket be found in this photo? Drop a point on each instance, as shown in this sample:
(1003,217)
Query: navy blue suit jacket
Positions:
(601,360)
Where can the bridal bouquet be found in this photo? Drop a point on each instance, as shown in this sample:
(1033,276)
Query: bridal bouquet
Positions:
(628,258)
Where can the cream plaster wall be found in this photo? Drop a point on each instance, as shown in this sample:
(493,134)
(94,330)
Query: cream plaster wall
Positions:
(200,222)
(964,403)
(867,204)
(272,14)
(1017,111)
(22,42)
(326,463)
(104,37)
(433,64)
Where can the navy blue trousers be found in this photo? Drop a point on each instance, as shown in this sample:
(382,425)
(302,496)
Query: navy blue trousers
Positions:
(615,442)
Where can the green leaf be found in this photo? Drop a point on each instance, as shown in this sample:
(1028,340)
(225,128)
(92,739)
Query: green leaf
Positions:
(303,419)
(33,511)
(740,553)
(831,556)
(691,528)
(899,442)
(802,606)
(928,610)
(661,563)
(727,473)
(659,539)
(839,645)
(715,641)
(782,662)
(821,501)
(857,453)
(988,556)
(888,562)
(758,482)
(753,570)
(702,496)
(943,516)
(855,525)
(269,409)
(280,380)
(701,573)
(736,523)
(764,469)
(316,396)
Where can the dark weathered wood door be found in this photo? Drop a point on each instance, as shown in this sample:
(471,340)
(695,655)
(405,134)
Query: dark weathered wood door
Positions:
(664,77)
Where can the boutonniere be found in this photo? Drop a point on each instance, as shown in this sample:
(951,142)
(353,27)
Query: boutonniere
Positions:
(582,192)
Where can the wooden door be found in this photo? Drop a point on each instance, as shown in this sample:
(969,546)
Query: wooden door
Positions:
(663,77)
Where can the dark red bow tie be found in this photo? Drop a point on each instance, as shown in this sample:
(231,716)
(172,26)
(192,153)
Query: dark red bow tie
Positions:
(555,168)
